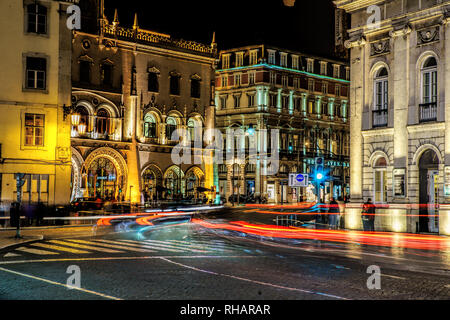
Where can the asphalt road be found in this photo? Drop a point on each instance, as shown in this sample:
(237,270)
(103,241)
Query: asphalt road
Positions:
(190,262)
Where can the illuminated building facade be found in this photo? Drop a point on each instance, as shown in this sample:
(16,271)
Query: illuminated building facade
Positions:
(305,97)
(400,105)
(35,86)
(131,89)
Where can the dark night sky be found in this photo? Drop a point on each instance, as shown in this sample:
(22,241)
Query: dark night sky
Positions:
(307,27)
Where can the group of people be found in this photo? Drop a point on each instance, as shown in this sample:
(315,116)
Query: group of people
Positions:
(335,219)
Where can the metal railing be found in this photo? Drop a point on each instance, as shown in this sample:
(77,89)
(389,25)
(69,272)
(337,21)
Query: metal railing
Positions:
(428,112)
(380,118)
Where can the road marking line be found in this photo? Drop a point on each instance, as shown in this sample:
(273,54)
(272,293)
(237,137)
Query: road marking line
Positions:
(153,246)
(111,246)
(82,246)
(394,277)
(169,245)
(252,281)
(10,254)
(119,258)
(36,251)
(59,284)
(59,248)
(197,245)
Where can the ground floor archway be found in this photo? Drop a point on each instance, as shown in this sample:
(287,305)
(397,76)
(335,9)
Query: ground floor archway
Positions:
(428,191)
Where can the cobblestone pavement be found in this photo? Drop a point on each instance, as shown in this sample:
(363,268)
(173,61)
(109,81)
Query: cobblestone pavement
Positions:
(189,262)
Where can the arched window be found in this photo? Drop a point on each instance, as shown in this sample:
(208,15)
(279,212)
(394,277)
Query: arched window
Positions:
(380,180)
(84,115)
(191,128)
(149,126)
(380,107)
(102,123)
(171,126)
(428,107)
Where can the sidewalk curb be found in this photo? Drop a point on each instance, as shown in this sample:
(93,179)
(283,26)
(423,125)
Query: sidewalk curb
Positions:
(34,238)
(47,227)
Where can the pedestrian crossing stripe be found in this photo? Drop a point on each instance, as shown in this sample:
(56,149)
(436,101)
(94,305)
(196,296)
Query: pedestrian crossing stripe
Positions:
(36,251)
(10,254)
(111,245)
(201,245)
(162,243)
(59,248)
(158,247)
(82,246)
(119,246)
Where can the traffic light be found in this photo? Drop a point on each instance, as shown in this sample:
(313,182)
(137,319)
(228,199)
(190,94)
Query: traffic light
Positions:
(319,173)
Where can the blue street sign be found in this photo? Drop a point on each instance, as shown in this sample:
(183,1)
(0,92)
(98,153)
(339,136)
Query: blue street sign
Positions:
(300,178)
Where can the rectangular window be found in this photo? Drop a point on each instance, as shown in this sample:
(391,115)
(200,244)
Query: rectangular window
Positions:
(338,90)
(251,100)
(336,71)
(35,73)
(37,19)
(285,102)
(85,71)
(380,186)
(34,129)
(106,74)
(223,103)
(347,73)
(324,88)
(294,62)
(311,85)
(225,61)
(310,65)
(283,59)
(239,59)
(237,79)
(273,78)
(253,57)
(284,81)
(225,81)
(251,77)
(153,84)
(272,57)
(175,85)
(273,100)
(237,101)
(323,68)
(296,83)
(195,88)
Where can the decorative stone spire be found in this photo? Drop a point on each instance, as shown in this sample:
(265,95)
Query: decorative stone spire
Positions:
(213,42)
(116,18)
(135,24)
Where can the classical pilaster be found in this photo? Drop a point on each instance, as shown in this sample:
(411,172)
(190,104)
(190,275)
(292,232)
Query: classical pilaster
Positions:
(401,93)
(357,72)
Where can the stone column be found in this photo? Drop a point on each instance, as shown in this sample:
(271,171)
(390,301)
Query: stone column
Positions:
(229,189)
(401,93)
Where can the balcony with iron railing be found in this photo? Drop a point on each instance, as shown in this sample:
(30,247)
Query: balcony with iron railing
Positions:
(380,118)
(428,112)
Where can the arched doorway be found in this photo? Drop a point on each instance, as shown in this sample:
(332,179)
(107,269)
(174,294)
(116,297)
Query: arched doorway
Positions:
(428,191)
(102,179)
(173,182)
(151,183)
(194,179)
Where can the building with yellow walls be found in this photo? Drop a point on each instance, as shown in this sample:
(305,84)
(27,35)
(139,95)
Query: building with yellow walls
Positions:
(131,89)
(35,84)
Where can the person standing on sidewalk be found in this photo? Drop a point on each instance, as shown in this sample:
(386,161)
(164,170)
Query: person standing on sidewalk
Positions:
(333,214)
(368,215)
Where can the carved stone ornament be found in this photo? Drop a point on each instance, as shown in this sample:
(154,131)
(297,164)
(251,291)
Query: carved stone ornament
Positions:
(428,35)
(380,47)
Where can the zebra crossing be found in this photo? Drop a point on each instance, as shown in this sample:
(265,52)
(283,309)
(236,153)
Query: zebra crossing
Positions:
(121,246)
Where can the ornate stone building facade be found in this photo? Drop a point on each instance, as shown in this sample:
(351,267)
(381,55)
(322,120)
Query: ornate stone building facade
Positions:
(35,87)
(400,107)
(305,97)
(132,88)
